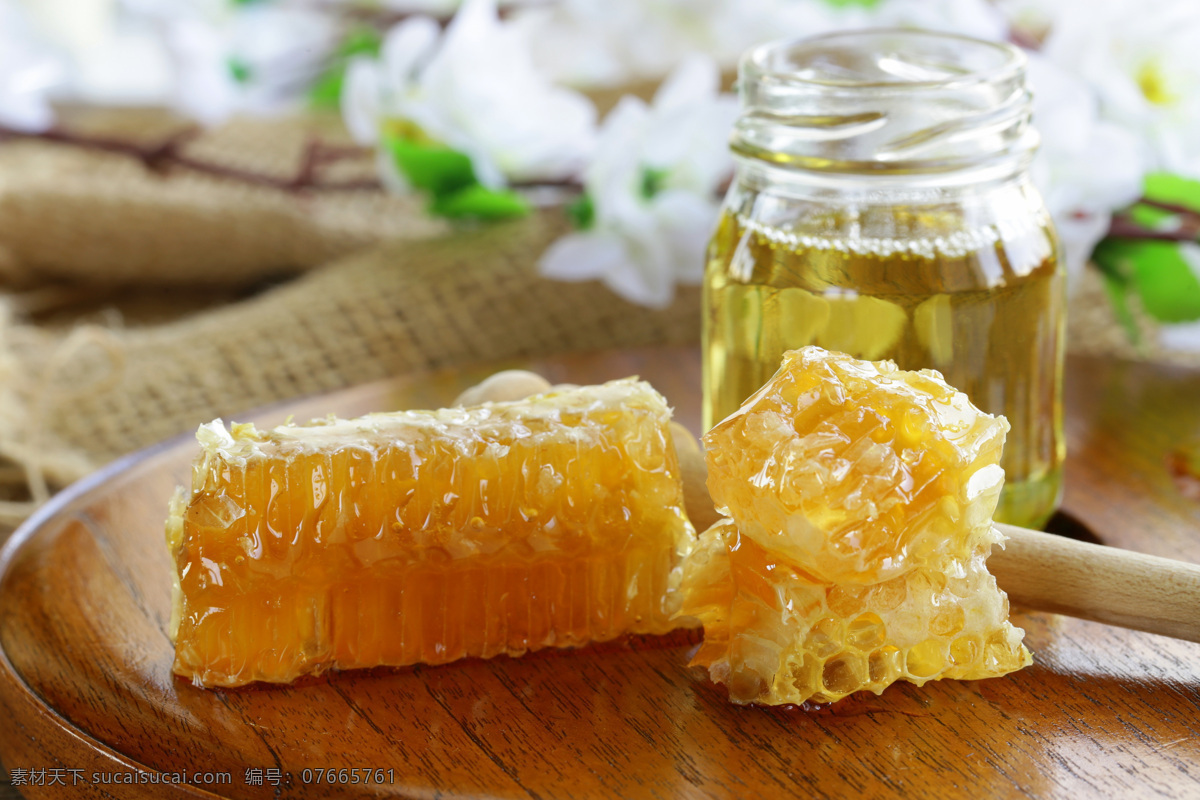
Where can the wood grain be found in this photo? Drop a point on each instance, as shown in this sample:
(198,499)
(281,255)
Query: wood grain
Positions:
(85,676)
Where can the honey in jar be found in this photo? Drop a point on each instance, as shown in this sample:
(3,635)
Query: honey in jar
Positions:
(882,208)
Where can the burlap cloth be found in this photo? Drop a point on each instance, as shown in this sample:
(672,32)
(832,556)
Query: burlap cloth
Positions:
(137,305)
(68,214)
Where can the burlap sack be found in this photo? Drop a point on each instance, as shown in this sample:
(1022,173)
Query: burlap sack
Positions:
(68,213)
(81,398)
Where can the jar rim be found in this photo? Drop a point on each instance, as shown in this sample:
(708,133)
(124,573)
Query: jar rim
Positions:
(1010,61)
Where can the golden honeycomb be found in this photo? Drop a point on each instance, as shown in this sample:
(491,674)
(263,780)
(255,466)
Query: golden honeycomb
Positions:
(427,536)
(859,499)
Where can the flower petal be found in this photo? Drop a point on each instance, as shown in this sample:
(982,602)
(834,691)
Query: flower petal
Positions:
(1184,336)
(407,48)
(686,223)
(694,80)
(360,100)
(582,256)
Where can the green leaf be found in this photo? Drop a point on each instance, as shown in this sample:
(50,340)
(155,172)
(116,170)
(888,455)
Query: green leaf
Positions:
(582,212)
(239,69)
(432,168)
(448,177)
(1163,187)
(1118,294)
(1150,217)
(1157,271)
(652,181)
(361,40)
(326,91)
(1109,256)
(480,202)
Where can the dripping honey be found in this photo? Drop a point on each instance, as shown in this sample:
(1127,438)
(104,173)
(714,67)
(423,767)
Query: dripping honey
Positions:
(982,307)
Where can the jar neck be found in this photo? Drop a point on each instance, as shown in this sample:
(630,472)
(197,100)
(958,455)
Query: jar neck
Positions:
(885,106)
(914,188)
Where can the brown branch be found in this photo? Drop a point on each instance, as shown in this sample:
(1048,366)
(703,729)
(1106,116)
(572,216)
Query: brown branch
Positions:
(1123,227)
(169,154)
(568,184)
(152,157)
(308,166)
(326,153)
(1170,207)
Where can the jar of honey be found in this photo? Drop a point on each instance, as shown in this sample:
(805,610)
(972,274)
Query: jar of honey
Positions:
(882,207)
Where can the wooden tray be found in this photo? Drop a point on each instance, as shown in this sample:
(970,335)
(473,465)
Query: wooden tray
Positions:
(86,685)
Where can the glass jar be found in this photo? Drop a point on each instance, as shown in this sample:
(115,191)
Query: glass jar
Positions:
(882,207)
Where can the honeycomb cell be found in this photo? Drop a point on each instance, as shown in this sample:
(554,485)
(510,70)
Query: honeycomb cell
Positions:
(947,622)
(925,659)
(866,633)
(889,594)
(846,600)
(884,664)
(825,639)
(427,536)
(859,501)
(964,650)
(844,673)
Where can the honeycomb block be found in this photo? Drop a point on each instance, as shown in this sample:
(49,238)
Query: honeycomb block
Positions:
(774,635)
(857,469)
(427,536)
(859,501)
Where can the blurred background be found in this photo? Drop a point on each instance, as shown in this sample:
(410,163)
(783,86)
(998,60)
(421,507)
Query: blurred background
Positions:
(207,206)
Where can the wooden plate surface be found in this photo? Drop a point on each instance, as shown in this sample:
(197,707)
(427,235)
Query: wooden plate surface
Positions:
(87,693)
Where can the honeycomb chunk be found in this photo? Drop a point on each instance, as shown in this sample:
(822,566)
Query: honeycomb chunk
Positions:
(427,536)
(859,500)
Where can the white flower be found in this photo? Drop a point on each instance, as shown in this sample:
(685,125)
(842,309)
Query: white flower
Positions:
(978,18)
(584,42)
(29,70)
(652,185)
(1143,59)
(259,58)
(110,55)
(1184,336)
(1085,168)
(474,89)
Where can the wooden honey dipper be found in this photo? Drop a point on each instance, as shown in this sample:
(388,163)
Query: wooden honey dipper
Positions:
(1040,571)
